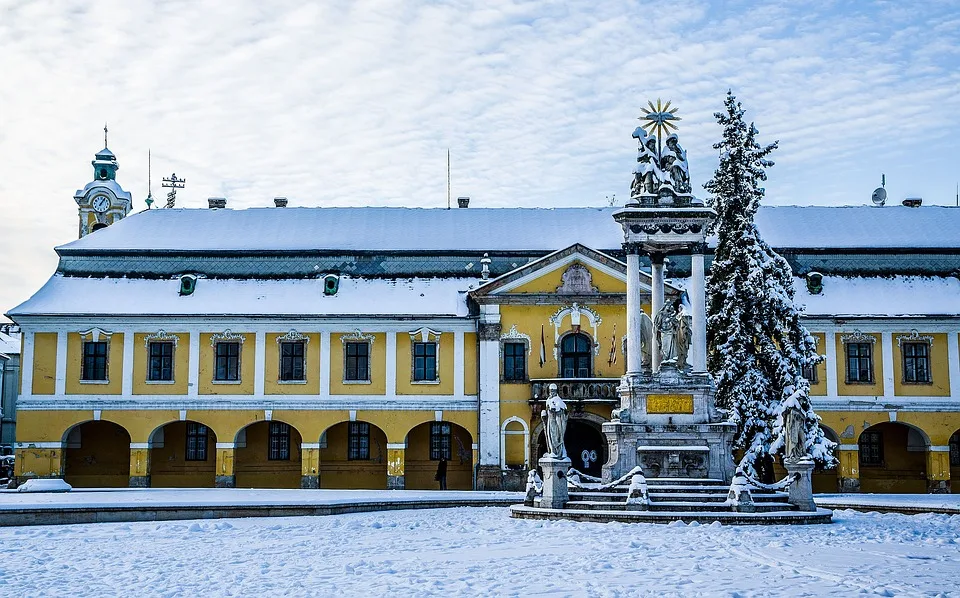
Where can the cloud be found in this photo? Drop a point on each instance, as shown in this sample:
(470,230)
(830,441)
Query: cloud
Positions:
(356,103)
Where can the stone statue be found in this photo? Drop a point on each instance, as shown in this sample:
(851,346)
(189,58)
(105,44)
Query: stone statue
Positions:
(679,169)
(795,436)
(684,336)
(647,173)
(667,327)
(556,424)
(646,341)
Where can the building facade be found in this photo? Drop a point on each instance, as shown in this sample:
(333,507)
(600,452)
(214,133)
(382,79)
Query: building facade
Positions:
(357,347)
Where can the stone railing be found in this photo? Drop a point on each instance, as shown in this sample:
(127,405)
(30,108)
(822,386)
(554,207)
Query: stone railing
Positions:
(591,390)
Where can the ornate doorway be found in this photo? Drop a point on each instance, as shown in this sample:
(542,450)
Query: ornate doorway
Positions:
(585,444)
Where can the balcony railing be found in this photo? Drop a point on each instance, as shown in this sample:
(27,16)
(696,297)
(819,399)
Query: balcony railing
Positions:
(588,390)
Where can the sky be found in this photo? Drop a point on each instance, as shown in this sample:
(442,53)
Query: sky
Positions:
(351,103)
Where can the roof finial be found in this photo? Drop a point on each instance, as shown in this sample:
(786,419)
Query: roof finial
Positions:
(105,135)
(149,199)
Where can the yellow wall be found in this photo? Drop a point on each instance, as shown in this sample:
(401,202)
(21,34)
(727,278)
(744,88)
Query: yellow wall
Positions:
(902,470)
(514,445)
(169,467)
(419,470)
(875,389)
(471,358)
(208,368)
(939,369)
(405,385)
(336,471)
(549,282)
(254,470)
(820,388)
(181,366)
(271,372)
(378,363)
(44,363)
(102,459)
(114,367)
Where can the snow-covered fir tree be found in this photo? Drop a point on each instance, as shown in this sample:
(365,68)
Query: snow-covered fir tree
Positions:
(757,346)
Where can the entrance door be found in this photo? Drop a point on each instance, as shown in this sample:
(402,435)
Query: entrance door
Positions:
(586,447)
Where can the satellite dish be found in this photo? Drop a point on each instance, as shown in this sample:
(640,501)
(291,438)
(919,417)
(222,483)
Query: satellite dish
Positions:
(879,196)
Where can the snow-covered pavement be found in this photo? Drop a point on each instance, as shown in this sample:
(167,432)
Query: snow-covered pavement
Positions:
(481,551)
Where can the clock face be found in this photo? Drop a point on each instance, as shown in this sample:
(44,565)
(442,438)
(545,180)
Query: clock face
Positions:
(100,203)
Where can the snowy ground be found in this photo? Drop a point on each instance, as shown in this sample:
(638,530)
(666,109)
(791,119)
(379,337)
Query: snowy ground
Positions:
(947,502)
(481,551)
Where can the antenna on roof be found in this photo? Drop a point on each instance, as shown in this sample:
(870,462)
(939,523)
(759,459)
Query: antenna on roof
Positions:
(880,193)
(149,200)
(448,178)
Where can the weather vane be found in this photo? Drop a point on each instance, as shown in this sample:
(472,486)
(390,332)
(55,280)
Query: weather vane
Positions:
(659,118)
(173,183)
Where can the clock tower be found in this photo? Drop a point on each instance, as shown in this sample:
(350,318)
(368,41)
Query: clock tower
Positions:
(102,201)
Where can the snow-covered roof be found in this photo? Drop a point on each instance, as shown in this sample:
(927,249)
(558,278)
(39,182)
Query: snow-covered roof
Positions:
(494,229)
(69,295)
(881,296)
(110,184)
(9,344)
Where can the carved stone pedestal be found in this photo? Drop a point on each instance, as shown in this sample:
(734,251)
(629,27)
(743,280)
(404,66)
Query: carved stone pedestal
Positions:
(555,493)
(849,484)
(801,490)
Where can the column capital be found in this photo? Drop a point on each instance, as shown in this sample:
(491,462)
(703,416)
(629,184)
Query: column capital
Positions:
(698,248)
(489,331)
(657,257)
(632,248)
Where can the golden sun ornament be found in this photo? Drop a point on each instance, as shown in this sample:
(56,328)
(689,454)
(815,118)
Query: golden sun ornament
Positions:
(659,118)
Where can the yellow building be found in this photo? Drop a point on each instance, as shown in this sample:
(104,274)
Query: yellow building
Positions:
(357,347)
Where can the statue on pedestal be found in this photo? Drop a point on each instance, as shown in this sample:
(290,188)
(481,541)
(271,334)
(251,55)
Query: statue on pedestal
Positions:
(684,336)
(679,169)
(556,416)
(794,435)
(667,328)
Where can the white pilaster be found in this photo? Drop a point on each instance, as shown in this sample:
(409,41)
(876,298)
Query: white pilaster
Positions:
(325,363)
(886,344)
(699,309)
(26,362)
(193,367)
(953,355)
(830,366)
(489,440)
(60,376)
(259,362)
(656,304)
(391,365)
(633,312)
(458,364)
(126,382)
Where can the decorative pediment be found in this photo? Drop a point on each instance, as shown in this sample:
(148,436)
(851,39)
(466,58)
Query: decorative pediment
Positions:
(914,337)
(357,337)
(515,335)
(226,336)
(857,337)
(161,336)
(577,280)
(95,334)
(577,313)
(293,337)
(424,335)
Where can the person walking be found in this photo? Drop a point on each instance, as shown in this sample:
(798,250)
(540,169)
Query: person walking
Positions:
(442,473)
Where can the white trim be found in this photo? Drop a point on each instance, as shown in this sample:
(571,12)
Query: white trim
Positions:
(193,375)
(913,337)
(858,337)
(576,256)
(939,448)
(259,362)
(357,336)
(515,335)
(26,363)
(892,415)
(292,336)
(886,358)
(126,373)
(324,364)
(268,415)
(95,333)
(226,445)
(575,311)
(390,368)
(503,441)
(96,414)
(310,446)
(849,447)
(139,445)
(438,416)
(352,415)
(385,403)
(60,376)
(227,337)
(830,365)
(39,445)
(953,366)
(458,363)
(160,336)
(183,415)
(396,446)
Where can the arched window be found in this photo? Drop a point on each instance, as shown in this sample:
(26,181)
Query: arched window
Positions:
(575,356)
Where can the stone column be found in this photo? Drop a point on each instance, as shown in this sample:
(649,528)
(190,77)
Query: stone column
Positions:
(801,490)
(698,304)
(848,471)
(938,469)
(139,465)
(489,475)
(555,492)
(310,465)
(395,466)
(225,477)
(633,309)
(656,303)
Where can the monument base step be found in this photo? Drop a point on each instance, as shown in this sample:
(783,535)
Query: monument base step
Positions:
(701,517)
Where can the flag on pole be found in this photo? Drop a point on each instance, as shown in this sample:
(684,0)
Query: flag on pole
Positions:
(543,348)
(612,359)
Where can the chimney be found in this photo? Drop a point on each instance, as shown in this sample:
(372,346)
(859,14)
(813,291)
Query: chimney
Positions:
(913,202)
(216,202)
(280,202)
(463,202)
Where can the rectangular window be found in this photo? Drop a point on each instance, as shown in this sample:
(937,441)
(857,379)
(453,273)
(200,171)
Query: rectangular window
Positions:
(871,448)
(424,362)
(279,442)
(514,362)
(228,362)
(440,441)
(916,363)
(358,362)
(291,361)
(196,442)
(161,362)
(859,363)
(94,360)
(358,441)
